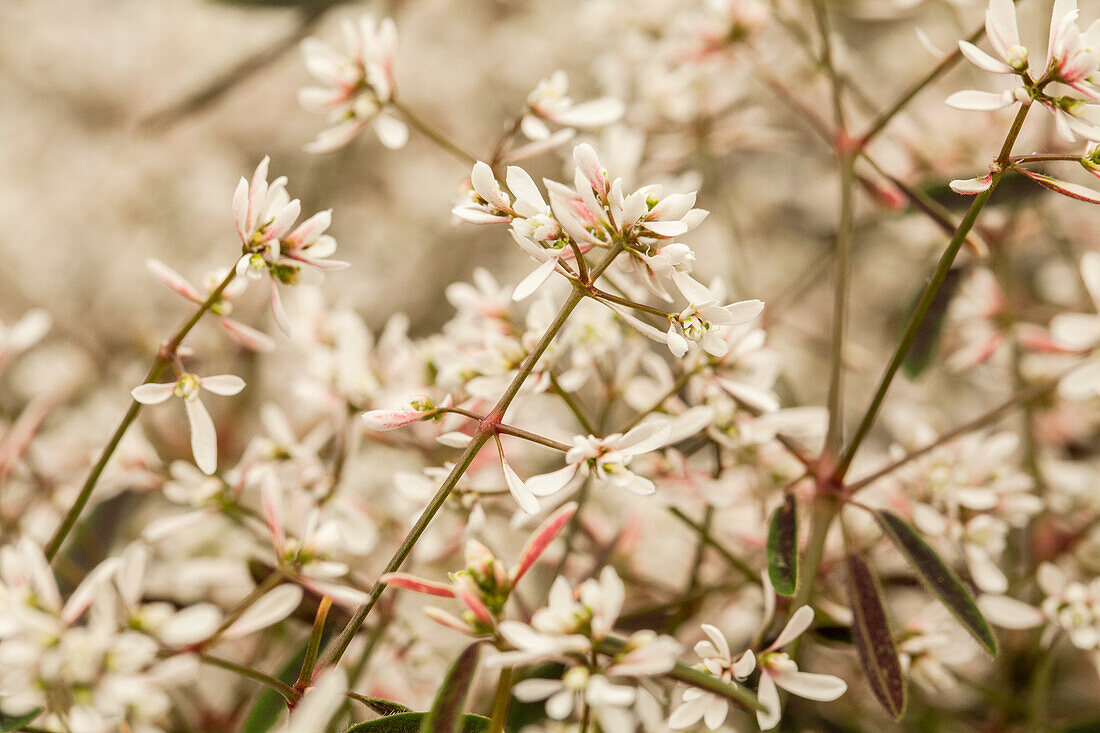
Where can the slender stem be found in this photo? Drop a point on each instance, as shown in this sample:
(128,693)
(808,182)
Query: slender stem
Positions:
(510,429)
(573,405)
(1020,398)
(263,678)
(929,295)
(824,509)
(433,134)
(884,119)
(704,535)
(835,433)
(257,593)
(610,297)
(164,358)
(485,430)
(500,701)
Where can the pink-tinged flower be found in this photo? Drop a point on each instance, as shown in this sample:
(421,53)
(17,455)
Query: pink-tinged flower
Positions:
(485,585)
(1081,332)
(607,460)
(972,186)
(204,440)
(777,670)
(418,409)
(246,336)
(23,334)
(705,321)
(716,658)
(1073,57)
(1004,36)
(357,86)
(265,215)
(549,102)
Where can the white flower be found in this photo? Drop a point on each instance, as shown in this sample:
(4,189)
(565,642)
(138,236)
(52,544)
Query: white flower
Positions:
(704,321)
(777,670)
(23,334)
(265,214)
(204,440)
(1081,332)
(549,102)
(607,460)
(357,86)
(701,705)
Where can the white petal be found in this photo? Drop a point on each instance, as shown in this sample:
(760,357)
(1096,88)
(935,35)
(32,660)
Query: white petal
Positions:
(204,440)
(153,393)
(548,484)
(391,131)
(800,621)
(823,687)
(272,608)
(979,101)
(531,283)
(982,60)
(1008,613)
(768,695)
(223,384)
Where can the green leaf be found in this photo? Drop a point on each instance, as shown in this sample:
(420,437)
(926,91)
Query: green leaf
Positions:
(379,705)
(446,713)
(923,351)
(783,547)
(414,723)
(938,578)
(15,722)
(873,638)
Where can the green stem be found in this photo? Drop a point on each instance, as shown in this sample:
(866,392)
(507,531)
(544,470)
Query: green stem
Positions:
(880,122)
(432,134)
(288,692)
(164,358)
(501,698)
(573,405)
(986,418)
(257,593)
(485,430)
(704,535)
(946,260)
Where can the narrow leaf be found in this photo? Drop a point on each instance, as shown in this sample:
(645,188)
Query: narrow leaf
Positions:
(446,713)
(873,639)
(783,547)
(938,578)
(416,722)
(17,722)
(379,705)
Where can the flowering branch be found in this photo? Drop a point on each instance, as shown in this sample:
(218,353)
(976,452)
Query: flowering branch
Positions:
(164,357)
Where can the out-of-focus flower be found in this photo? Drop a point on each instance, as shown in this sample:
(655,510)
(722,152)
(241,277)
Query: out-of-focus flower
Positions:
(1081,332)
(204,440)
(246,336)
(485,585)
(23,334)
(549,102)
(356,86)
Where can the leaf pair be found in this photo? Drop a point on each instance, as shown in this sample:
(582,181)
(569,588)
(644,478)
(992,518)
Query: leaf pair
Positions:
(871,629)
